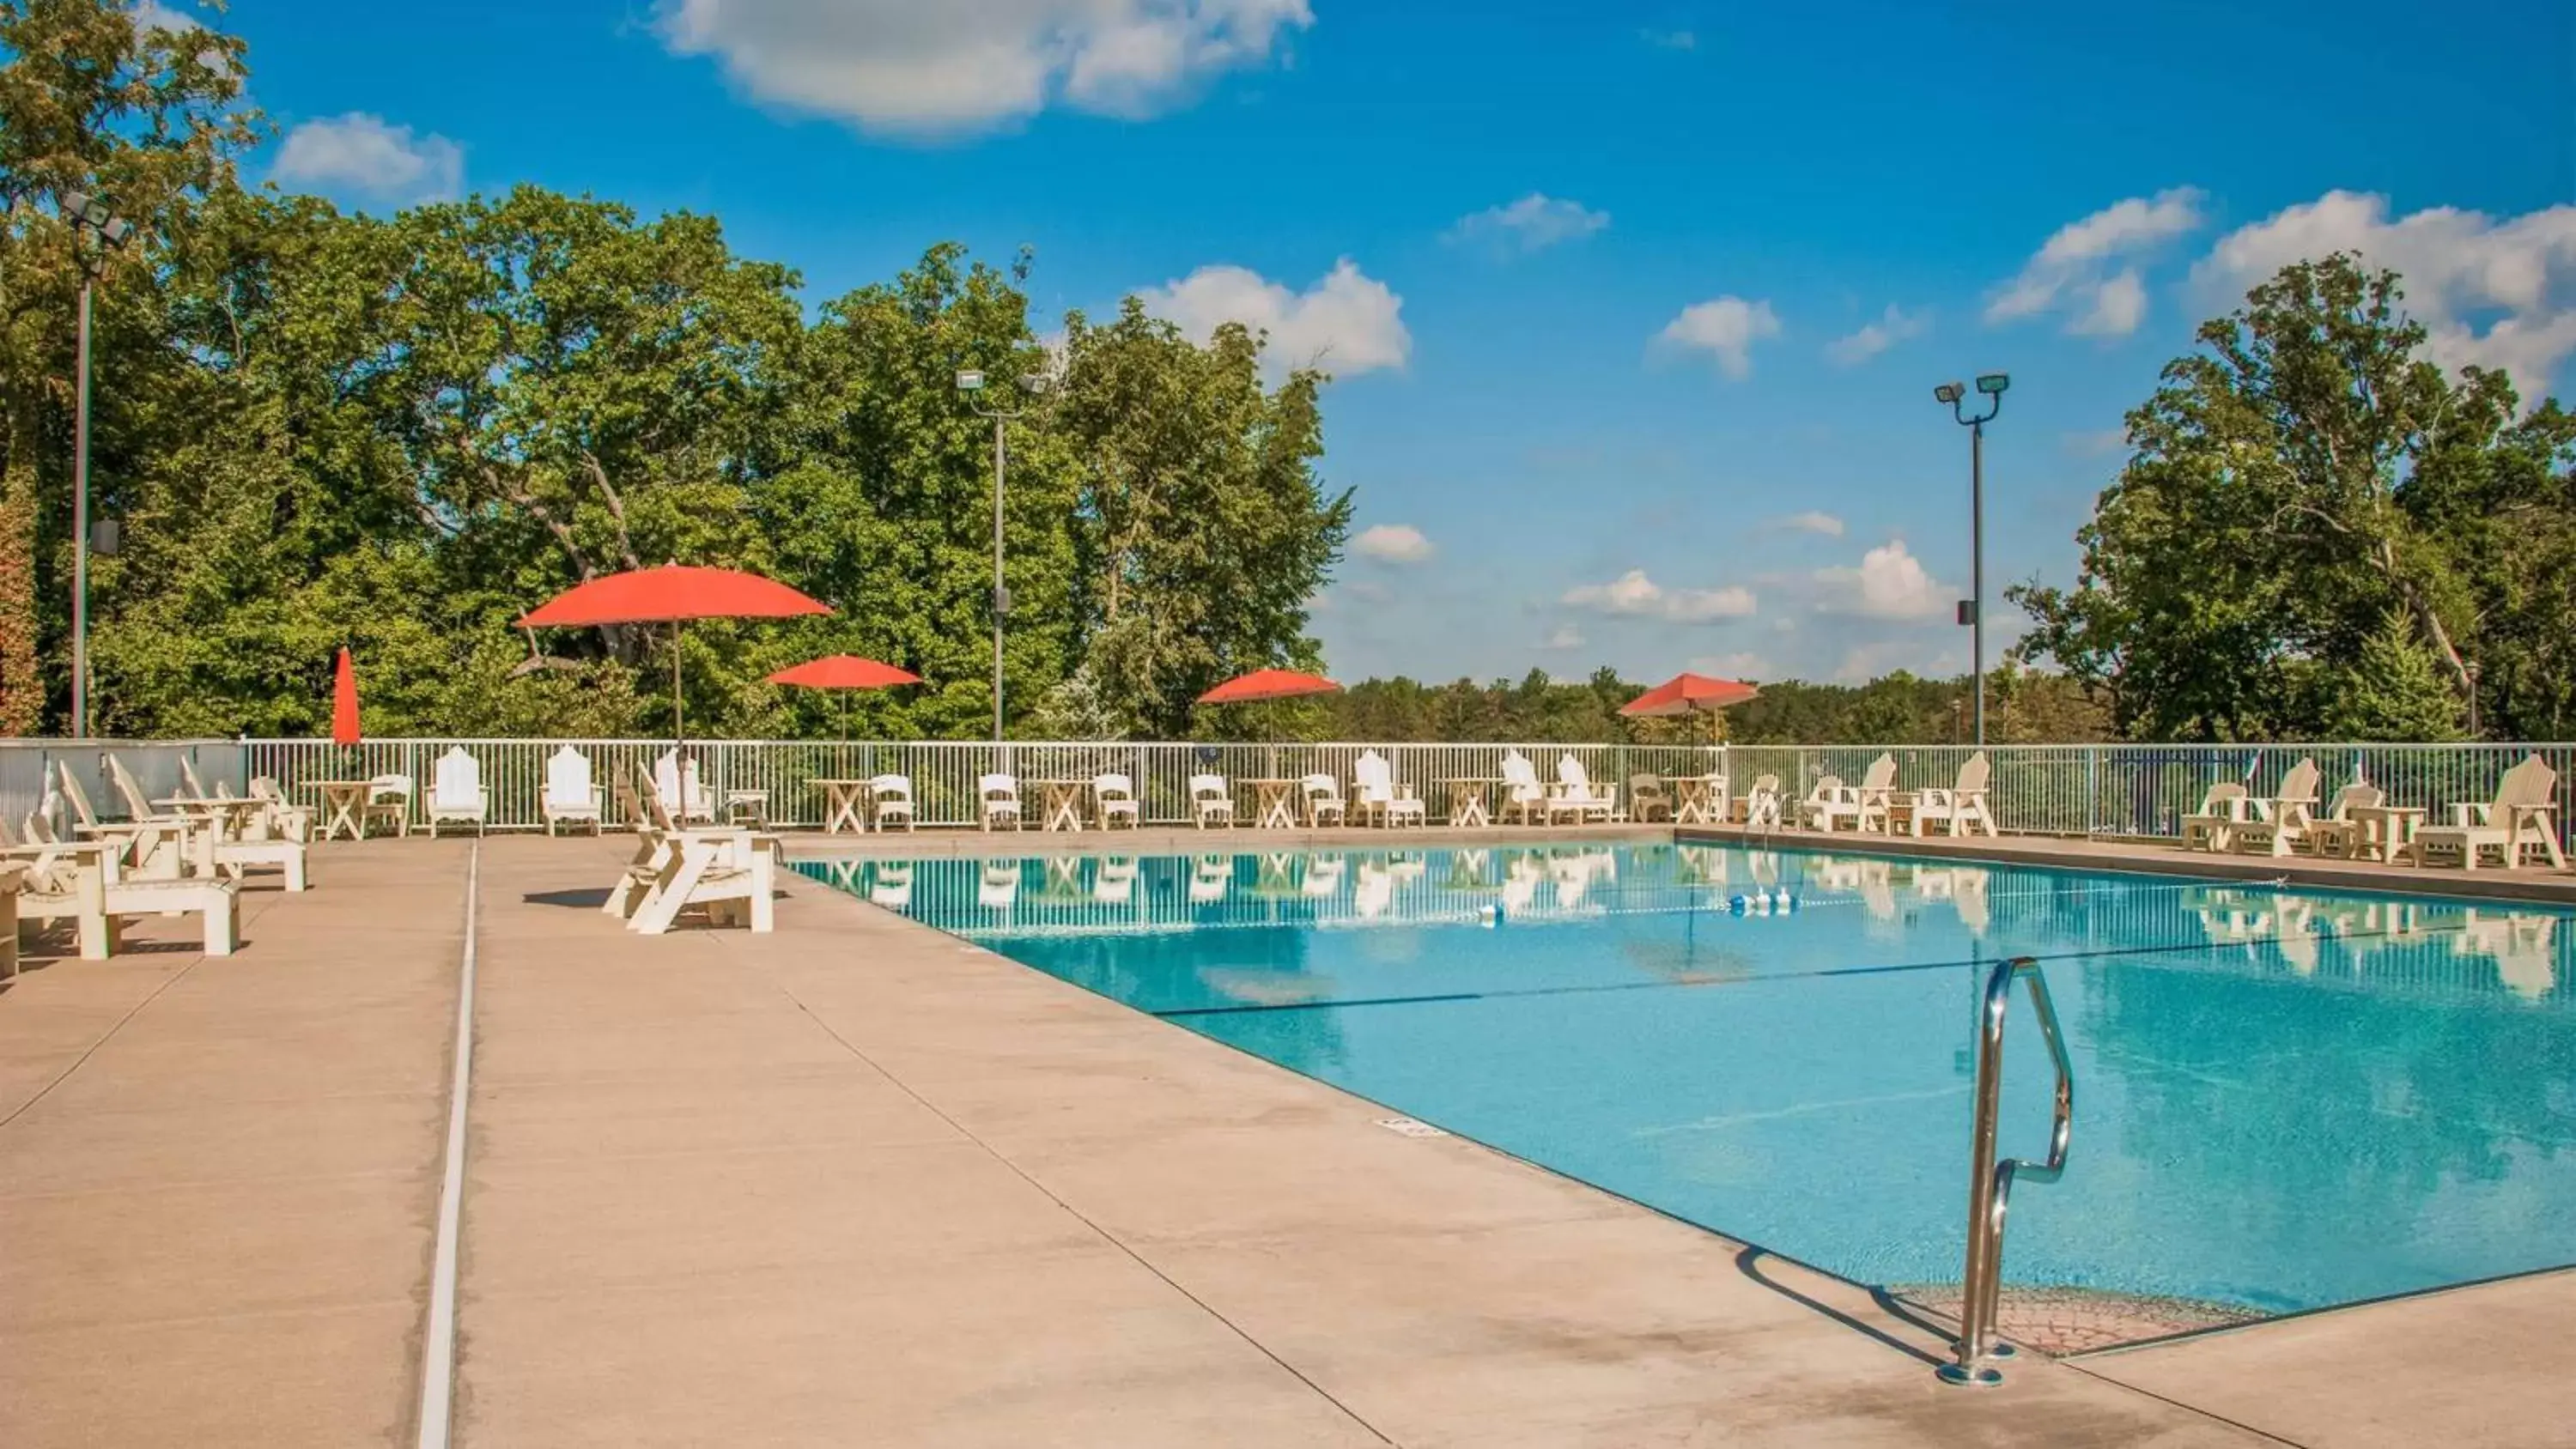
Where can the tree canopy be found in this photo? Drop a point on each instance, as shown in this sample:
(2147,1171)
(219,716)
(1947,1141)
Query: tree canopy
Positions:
(2321,534)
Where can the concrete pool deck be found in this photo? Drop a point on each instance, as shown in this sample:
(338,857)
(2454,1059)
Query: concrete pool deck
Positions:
(858,1181)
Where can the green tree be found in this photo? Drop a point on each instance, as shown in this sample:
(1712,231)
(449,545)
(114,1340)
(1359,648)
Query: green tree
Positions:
(2393,691)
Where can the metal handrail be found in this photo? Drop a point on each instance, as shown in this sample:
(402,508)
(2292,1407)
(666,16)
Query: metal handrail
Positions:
(1990,1183)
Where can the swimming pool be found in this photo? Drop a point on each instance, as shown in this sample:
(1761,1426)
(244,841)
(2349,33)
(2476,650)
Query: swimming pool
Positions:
(2285,1099)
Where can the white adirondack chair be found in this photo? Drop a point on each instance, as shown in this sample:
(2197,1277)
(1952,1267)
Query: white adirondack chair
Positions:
(1829,800)
(1324,799)
(457,794)
(1523,795)
(1647,797)
(2516,822)
(893,796)
(1762,804)
(1211,800)
(1000,797)
(2281,822)
(1380,797)
(2213,825)
(569,795)
(1115,797)
(389,798)
(1875,795)
(1577,796)
(60,885)
(1961,809)
(684,799)
(280,817)
(2337,833)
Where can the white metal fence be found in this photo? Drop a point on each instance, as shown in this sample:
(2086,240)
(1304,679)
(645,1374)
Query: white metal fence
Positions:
(2116,790)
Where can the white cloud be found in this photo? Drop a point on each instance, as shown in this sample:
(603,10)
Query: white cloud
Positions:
(1864,662)
(1347,323)
(1725,328)
(1733,666)
(949,67)
(1532,224)
(1890,583)
(1893,326)
(152,15)
(1564,636)
(363,155)
(1670,39)
(1811,522)
(2517,276)
(1392,543)
(1634,595)
(2094,445)
(2072,270)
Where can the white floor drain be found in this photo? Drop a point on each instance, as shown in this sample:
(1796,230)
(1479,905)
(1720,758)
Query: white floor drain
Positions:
(1406,1126)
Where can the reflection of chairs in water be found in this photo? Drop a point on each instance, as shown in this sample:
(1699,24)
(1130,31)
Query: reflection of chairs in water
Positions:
(2294,929)
(1323,875)
(1873,880)
(1210,878)
(999,885)
(1468,868)
(2371,918)
(1521,877)
(1115,884)
(1576,871)
(890,885)
(1700,864)
(1375,892)
(2522,945)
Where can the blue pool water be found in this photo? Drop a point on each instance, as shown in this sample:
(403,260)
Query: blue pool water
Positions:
(2284,1099)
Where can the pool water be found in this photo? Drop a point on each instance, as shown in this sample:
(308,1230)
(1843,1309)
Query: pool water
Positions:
(2284,1099)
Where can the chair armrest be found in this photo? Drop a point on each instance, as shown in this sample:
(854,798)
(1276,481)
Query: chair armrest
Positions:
(2464,816)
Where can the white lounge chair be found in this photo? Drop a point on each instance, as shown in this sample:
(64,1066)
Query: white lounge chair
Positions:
(152,847)
(2337,834)
(388,798)
(210,897)
(1961,809)
(1523,795)
(2213,825)
(457,795)
(683,798)
(2281,822)
(1211,800)
(570,797)
(1647,798)
(1324,799)
(1829,800)
(209,844)
(1875,795)
(1379,797)
(1577,796)
(999,797)
(893,796)
(728,872)
(281,818)
(1763,804)
(2515,823)
(1114,796)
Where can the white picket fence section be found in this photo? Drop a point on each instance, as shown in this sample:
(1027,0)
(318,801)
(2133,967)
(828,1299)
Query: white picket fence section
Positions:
(2074,790)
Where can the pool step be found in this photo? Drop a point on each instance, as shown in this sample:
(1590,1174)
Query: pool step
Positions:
(2063,1321)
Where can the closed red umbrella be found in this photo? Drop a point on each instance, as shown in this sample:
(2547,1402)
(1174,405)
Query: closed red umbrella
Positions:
(844,672)
(671,594)
(1690,694)
(1268,684)
(344,701)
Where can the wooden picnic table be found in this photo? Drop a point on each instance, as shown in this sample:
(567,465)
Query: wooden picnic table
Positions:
(847,802)
(1467,798)
(2387,831)
(1274,801)
(344,805)
(1698,799)
(1060,806)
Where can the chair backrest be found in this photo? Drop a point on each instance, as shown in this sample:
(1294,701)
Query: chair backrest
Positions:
(78,797)
(655,808)
(1208,787)
(1827,787)
(1645,785)
(2355,794)
(998,787)
(1113,787)
(457,780)
(188,777)
(630,803)
(2299,786)
(1373,777)
(1571,774)
(892,787)
(2219,794)
(1882,774)
(1517,770)
(129,789)
(677,783)
(2528,785)
(567,777)
(398,786)
(1972,775)
(1322,787)
(1766,784)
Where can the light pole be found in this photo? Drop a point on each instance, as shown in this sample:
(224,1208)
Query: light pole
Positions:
(2471,670)
(1972,610)
(85,213)
(971,383)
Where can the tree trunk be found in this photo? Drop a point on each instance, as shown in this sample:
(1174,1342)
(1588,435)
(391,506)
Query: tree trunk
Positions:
(22,682)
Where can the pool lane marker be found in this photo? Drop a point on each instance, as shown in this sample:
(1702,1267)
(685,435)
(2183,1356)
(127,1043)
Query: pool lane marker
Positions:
(438,1339)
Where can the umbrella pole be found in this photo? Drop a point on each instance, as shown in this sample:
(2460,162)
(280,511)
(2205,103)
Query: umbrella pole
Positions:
(679,707)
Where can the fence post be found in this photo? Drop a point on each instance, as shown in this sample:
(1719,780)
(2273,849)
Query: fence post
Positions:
(2092,789)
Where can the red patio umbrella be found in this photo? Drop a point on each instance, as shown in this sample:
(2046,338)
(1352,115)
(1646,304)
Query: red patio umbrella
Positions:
(1268,684)
(671,594)
(844,672)
(344,701)
(1690,694)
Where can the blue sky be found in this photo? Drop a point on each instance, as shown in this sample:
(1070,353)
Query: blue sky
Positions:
(1596,279)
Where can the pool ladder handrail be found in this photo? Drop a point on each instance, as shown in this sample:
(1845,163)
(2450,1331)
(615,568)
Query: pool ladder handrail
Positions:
(1990,1183)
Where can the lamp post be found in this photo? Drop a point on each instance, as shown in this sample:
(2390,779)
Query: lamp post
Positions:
(2471,670)
(1972,610)
(85,213)
(971,383)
